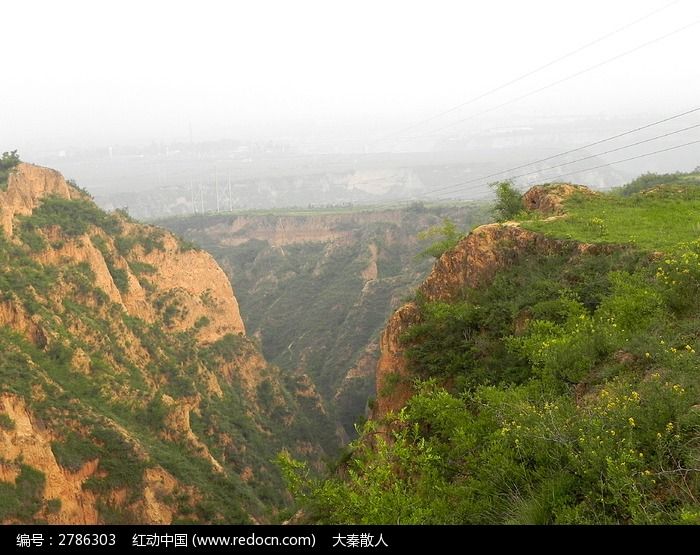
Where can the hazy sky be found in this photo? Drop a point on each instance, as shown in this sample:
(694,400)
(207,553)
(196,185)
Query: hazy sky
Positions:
(98,73)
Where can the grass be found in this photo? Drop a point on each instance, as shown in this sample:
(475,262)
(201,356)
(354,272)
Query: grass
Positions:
(653,221)
(73,216)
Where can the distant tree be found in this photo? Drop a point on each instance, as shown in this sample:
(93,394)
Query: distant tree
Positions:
(648,181)
(416,206)
(449,234)
(9,160)
(508,201)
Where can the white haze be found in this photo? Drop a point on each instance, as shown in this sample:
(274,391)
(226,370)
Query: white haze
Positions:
(86,73)
(153,105)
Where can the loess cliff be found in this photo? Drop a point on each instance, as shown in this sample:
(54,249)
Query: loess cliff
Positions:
(317,286)
(129,391)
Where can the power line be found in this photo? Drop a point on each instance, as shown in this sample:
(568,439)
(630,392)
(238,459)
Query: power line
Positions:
(628,159)
(620,161)
(589,145)
(562,80)
(611,150)
(526,75)
(636,129)
(624,147)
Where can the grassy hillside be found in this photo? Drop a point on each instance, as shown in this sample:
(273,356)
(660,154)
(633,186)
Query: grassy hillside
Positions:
(566,390)
(317,287)
(656,219)
(112,413)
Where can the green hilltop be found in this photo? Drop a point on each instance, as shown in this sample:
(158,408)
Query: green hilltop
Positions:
(651,213)
(564,389)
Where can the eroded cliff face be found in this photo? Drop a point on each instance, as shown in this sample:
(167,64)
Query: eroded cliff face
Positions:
(29,442)
(197,281)
(473,263)
(316,288)
(102,316)
(283,230)
(26,187)
(189,277)
(549,199)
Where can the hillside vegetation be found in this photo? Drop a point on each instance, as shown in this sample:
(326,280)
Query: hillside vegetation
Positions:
(661,215)
(128,389)
(558,383)
(8,162)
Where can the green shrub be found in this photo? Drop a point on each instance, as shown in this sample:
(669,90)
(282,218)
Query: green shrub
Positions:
(450,237)
(442,343)
(8,162)
(74,217)
(6,422)
(74,451)
(120,278)
(142,268)
(508,201)
(31,237)
(53,505)
(228,348)
(23,499)
(679,276)
(650,180)
(121,465)
(265,394)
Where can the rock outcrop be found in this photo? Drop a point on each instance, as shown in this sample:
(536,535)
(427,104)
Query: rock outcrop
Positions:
(26,187)
(549,199)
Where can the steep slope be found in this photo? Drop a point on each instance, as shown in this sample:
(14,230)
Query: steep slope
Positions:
(471,265)
(317,287)
(129,391)
(546,372)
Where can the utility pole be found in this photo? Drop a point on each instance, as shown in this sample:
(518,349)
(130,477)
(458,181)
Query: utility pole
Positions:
(194,204)
(216,186)
(230,202)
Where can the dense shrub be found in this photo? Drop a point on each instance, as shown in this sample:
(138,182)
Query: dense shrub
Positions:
(74,217)
(601,427)
(8,161)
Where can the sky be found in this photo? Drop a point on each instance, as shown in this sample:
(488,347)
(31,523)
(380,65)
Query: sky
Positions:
(96,73)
